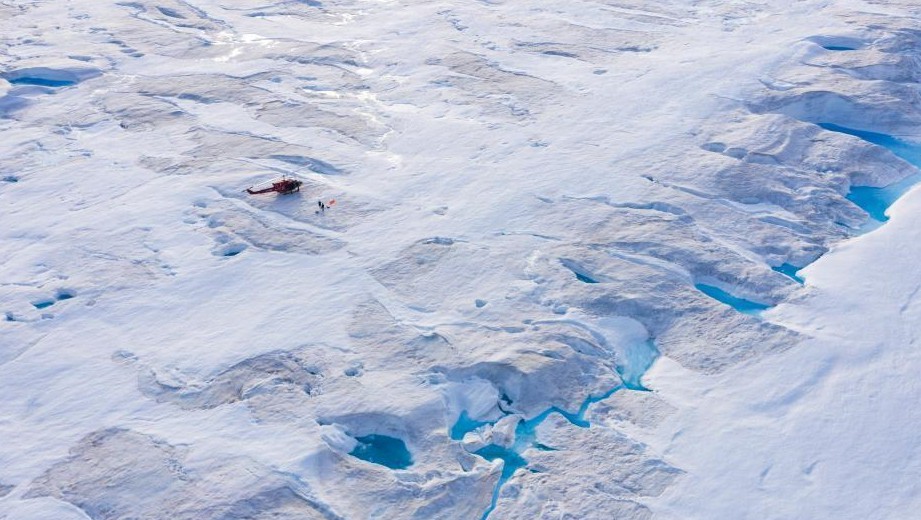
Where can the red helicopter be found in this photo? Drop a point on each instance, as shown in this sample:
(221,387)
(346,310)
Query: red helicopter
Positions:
(283,186)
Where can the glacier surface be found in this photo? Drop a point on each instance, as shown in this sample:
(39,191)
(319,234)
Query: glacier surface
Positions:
(592,259)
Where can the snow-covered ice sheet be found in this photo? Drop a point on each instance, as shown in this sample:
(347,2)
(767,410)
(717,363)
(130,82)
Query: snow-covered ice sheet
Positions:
(534,201)
(825,430)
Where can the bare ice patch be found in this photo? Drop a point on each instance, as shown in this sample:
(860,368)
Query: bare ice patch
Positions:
(119,473)
(272,372)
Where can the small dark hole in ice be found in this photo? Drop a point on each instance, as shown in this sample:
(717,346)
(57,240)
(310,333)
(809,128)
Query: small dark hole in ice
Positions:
(42,304)
(577,270)
(562,54)
(233,250)
(172,13)
(480,303)
(585,279)
(65,295)
(11,178)
(838,43)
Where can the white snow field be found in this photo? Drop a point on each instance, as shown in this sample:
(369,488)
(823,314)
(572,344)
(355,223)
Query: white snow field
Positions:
(588,259)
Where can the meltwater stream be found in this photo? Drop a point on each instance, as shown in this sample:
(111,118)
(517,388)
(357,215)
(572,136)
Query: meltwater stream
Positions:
(526,437)
(875,201)
(790,271)
(740,304)
(631,370)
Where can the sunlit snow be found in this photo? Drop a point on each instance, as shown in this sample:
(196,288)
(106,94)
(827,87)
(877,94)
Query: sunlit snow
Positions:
(589,259)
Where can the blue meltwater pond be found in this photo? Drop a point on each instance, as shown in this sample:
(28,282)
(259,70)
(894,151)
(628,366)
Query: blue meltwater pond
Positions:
(383,450)
(42,82)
